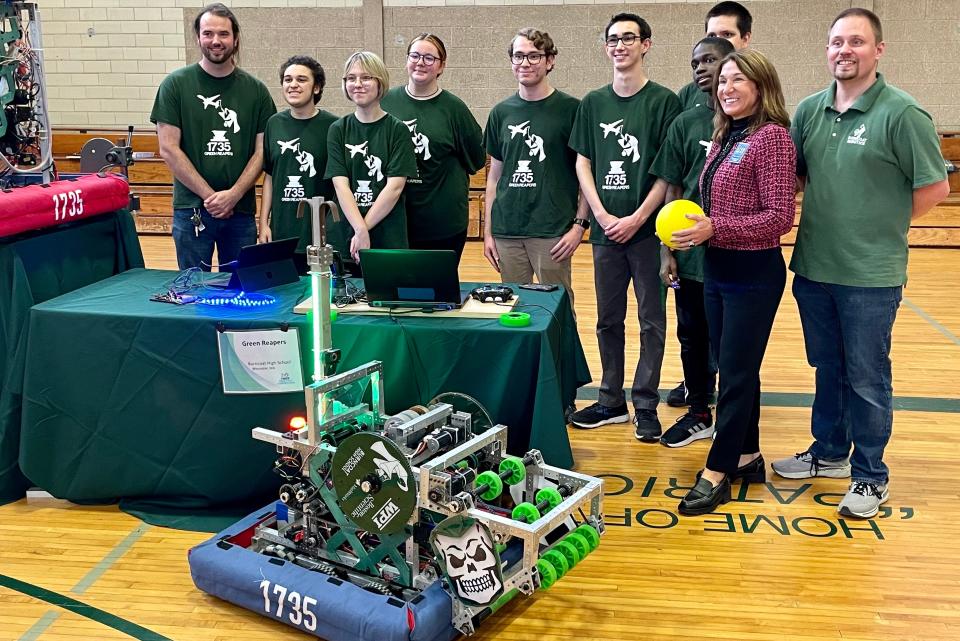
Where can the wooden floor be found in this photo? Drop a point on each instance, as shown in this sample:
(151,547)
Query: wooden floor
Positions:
(776,564)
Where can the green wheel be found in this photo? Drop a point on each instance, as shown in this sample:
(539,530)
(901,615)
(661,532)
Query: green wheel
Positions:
(551,496)
(568,550)
(580,542)
(517,469)
(590,534)
(558,561)
(526,512)
(495,485)
(548,576)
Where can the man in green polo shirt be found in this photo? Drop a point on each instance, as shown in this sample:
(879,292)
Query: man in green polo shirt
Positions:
(680,162)
(870,160)
(295,158)
(210,118)
(533,222)
(730,21)
(617,133)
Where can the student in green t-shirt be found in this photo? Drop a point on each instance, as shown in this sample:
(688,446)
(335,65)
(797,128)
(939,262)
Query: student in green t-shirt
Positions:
(680,163)
(449,147)
(617,133)
(730,21)
(869,163)
(295,151)
(533,220)
(210,119)
(369,157)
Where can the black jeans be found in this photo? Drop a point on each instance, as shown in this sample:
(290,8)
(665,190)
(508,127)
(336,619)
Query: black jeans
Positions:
(742,290)
(454,243)
(699,373)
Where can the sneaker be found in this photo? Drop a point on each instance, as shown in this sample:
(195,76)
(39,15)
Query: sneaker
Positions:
(569,411)
(689,428)
(597,415)
(647,424)
(805,465)
(677,397)
(863,499)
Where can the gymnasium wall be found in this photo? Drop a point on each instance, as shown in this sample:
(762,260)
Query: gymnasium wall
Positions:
(105,58)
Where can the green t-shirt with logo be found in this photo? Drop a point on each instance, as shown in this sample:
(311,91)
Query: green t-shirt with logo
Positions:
(691,96)
(219,119)
(295,157)
(861,169)
(367,153)
(537,191)
(680,162)
(449,147)
(621,137)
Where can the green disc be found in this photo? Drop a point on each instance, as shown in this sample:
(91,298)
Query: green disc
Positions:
(517,470)
(566,549)
(491,479)
(526,512)
(580,542)
(590,534)
(374,483)
(548,576)
(551,496)
(515,319)
(558,561)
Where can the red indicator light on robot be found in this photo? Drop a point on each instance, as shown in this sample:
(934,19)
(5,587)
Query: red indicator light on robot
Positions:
(296,423)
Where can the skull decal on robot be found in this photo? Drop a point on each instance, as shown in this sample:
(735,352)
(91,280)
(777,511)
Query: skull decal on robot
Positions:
(464,548)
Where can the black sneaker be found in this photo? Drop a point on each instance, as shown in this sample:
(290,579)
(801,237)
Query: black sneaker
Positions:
(647,424)
(597,415)
(677,396)
(569,411)
(689,428)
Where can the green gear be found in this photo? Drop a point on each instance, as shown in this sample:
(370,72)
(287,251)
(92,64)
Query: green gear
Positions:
(493,483)
(518,471)
(548,576)
(526,512)
(590,534)
(558,561)
(551,496)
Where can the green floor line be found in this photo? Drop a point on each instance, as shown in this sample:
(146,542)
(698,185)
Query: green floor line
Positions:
(78,607)
(119,550)
(39,627)
(930,319)
(803,399)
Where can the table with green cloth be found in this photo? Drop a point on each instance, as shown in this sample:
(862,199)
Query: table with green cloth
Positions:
(35,267)
(123,397)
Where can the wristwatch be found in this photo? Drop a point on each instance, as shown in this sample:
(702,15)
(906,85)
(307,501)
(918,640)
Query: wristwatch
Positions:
(583,222)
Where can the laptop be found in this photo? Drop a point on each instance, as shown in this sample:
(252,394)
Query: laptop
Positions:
(263,266)
(415,278)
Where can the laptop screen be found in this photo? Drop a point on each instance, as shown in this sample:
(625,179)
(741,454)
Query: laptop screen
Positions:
(411,277)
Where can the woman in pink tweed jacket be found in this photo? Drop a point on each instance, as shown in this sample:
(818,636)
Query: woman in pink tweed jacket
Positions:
(748,191)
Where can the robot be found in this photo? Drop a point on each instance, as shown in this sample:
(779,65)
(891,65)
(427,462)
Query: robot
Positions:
(416,525)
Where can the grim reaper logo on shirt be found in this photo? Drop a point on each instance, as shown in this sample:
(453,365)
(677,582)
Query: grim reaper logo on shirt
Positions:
(464,548)
(228,115)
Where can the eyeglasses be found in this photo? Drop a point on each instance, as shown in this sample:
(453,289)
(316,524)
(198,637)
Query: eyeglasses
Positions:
(532,58)
(425,58)
(364,80)
(627,39)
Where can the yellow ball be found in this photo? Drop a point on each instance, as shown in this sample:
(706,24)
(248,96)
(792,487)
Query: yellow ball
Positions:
(673,218)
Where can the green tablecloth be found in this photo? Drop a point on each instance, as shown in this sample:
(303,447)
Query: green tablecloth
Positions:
(136,410)
(36,267)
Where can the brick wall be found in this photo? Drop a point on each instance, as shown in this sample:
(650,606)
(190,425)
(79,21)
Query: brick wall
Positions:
(105,58)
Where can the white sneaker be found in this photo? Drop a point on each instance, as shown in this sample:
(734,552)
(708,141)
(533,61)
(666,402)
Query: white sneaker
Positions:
(863,499)
(805,465)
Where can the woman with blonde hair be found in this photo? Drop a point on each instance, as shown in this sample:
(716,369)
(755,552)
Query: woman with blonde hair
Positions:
(748,191)
(369,158)
(448,143)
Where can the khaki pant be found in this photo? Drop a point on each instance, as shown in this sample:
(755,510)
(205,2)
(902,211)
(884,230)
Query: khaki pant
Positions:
(521,258)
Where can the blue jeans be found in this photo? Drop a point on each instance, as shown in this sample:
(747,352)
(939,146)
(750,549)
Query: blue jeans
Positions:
(846,331)
(229,235)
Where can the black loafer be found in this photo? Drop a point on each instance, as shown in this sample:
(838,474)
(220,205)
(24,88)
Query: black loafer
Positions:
(753,472)
(705,497)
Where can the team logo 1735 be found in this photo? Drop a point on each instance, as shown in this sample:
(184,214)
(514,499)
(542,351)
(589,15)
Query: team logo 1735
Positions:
(616,178)
(219,145)
(294,191)
(523,175)
(363,195)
